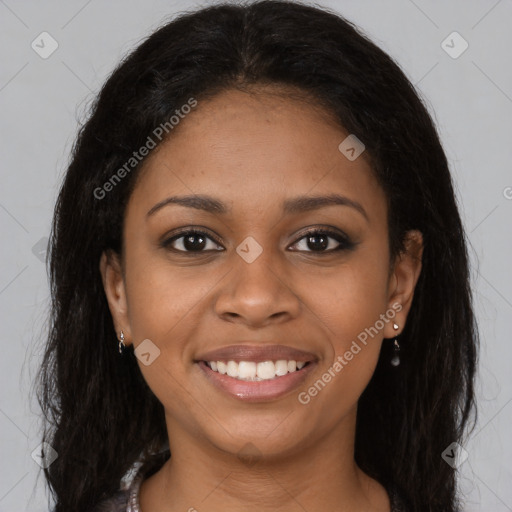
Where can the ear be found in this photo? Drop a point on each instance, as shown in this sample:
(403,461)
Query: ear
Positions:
(114,286)
(403,281)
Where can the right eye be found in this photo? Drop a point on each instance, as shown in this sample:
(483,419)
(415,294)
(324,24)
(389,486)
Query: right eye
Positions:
(191,241)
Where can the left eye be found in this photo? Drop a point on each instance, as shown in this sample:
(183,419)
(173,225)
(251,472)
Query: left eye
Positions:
(321,241)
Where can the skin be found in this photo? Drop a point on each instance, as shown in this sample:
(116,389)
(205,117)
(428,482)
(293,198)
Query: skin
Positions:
(253,150)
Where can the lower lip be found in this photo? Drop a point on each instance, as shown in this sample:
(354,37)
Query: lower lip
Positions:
(257,391)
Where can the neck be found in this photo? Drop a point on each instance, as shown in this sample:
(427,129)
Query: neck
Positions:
(315,476)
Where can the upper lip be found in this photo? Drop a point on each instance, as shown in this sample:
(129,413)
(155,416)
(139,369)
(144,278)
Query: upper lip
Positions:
(257,353)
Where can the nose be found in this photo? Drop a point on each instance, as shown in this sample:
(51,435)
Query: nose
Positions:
(257,294)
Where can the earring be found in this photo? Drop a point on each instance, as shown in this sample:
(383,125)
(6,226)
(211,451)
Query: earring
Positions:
(121,342)
(395,360)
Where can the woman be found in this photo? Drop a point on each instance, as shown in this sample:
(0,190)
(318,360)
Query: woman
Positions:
(259,277)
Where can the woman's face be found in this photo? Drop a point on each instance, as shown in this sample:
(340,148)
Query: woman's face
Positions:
(252,174)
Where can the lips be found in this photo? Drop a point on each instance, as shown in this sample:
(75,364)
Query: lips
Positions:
(266,388)
(256,353)
(262,391)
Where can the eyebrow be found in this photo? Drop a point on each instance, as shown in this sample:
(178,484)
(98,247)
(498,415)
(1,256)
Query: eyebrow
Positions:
(295,205)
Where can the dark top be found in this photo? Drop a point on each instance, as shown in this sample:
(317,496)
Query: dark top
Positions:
(127,500)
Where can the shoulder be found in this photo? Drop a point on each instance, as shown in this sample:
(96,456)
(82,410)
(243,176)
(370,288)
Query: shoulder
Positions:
(116,503)
(127,497)
(397,499)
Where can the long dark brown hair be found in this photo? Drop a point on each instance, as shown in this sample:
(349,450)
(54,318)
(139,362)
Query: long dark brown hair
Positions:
(100,415)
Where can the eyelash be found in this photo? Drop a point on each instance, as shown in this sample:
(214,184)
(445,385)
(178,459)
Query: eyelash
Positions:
(344,242)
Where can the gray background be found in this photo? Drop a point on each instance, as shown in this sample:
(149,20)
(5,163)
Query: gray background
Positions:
(42,100)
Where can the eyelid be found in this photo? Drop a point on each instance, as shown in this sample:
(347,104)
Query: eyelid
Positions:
(343,240)
(167,239)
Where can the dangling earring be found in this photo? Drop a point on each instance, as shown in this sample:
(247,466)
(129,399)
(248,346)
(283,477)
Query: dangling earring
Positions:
(395,360)
(121,342)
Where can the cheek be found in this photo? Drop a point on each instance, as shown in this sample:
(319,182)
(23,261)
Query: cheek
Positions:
(351,298)
(353,303)
(362,295)
(161,303)
(161,298)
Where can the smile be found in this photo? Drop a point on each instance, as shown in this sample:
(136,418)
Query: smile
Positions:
(256,371)
(245,383)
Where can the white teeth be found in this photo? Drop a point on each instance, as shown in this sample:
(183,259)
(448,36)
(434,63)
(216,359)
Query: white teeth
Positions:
(246,370)
(266,370)
(232,369)
(251,371)
(281,367)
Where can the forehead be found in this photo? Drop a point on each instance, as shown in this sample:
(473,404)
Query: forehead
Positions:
(255,148)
